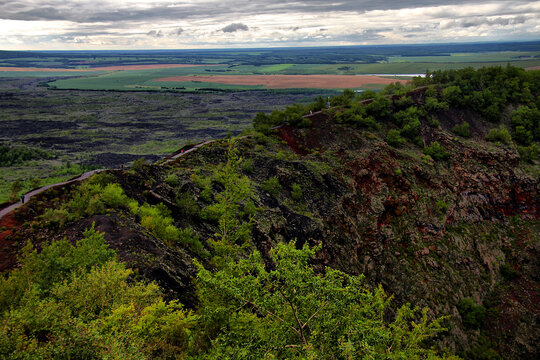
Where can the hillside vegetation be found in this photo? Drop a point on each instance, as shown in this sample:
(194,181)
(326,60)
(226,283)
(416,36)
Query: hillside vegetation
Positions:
(391,225)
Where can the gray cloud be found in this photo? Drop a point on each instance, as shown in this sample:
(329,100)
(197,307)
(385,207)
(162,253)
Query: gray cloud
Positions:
(154,33)
(478,21)
(191,21)
(235,27)
(108,10)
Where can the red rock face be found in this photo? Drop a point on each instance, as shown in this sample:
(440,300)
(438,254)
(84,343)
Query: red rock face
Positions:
(436,233)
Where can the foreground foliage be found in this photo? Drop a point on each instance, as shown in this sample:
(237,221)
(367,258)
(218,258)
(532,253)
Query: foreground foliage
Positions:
(76,302)
(291,312)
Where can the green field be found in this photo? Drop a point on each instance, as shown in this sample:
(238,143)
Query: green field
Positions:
(145,79)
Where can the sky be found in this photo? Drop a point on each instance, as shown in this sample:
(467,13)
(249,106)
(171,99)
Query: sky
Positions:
(195,24)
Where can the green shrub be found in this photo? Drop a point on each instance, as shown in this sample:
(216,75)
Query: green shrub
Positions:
(249,208)
(113,196)
(247,166)
(472,314)
(508,272)
(427,160)
(138,164)
(305,123)
(522,135)
(433,105)
(296,191)
(452,95)
(271,186)
(393,138)
(526,125)
(441,207)
(499,135)
(529,153)
(172,180)
(15,188)
(204,183)
(462,129)
(436,151)
(187,204)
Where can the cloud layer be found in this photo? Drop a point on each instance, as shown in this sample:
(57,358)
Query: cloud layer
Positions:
(121,24)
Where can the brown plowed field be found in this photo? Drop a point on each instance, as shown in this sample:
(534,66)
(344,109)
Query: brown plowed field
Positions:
(107,68)
(290,81)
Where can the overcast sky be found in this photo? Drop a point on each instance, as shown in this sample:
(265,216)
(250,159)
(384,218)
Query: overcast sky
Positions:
(173,24)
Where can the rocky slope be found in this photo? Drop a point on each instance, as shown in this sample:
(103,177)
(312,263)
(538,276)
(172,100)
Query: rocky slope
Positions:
(460,236)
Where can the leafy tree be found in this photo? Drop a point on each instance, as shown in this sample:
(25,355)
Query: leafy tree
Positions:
(526,125)
(452,95)
(234,233)
(290,312)
(15,188)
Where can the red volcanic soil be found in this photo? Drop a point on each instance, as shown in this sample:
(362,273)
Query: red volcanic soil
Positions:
(108,68)
(290,81)
(8,250)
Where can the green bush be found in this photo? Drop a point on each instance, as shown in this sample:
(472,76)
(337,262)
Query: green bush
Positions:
(247,166)
(172,180)
(138,164)
(499,135)
(113,196)
(393,138)
(204,183)
(508,272)
(296,191)
(271,186)
(462,129)
(187,204)
(441,207)
(529,153)
(433,105)
(526,125)
(452,95)
(436,151)
(472,314)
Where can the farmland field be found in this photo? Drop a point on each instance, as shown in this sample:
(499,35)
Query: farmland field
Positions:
(288,81)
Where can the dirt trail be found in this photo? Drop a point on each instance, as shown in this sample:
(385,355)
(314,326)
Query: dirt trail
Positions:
(33,193)
(84,176)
